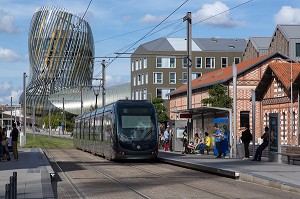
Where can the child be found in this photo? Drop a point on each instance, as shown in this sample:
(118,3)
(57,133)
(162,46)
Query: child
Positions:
(191,147)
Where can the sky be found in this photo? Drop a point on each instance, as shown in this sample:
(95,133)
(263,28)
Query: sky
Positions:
(120,26)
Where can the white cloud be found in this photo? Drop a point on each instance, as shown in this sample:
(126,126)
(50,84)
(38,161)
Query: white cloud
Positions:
(116,80)
(207,12)
(7,91)
(7,55)
(150,19)
(287,15)
(7,23)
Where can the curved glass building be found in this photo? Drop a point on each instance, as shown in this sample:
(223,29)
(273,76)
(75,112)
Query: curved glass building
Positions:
(82,100)
(61,51)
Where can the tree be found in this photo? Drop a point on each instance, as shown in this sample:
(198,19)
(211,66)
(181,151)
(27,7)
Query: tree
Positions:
(161,110)
(218,97)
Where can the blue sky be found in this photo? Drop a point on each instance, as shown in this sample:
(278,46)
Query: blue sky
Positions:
(118,24)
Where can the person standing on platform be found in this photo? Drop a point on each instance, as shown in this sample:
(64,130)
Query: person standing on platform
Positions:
(217,140)
(14,135)
(167,139)
(246,139)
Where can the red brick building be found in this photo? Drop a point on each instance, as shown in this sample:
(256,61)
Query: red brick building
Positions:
(267,75)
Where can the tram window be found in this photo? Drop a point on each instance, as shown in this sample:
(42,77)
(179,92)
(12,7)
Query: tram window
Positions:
(136,121)
(136,111)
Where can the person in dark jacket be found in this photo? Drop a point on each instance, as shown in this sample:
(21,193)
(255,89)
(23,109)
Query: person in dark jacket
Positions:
(14,135)
(246,139)
(264,145)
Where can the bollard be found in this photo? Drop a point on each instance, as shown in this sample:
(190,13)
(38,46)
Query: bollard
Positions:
(11,183)
(16,185)
(7,191)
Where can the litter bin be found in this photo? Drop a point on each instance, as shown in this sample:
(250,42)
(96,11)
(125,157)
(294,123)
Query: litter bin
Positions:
(240,151)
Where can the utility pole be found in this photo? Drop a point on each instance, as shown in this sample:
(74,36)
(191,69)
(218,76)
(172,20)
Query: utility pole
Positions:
(11,120)
(103,83)
(188,19)
(24,105)
(234,79)
(64,117)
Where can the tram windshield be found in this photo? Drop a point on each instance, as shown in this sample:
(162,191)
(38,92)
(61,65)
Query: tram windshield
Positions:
(137,124)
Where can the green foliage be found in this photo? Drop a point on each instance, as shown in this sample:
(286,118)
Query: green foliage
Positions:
(218,97)
(161,110)
(42,141)
(56,120)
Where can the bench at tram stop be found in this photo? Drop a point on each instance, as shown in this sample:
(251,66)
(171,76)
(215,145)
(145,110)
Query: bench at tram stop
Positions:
(292,153)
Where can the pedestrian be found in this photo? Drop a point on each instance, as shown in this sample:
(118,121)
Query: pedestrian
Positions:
(167,139)
(246,139)
(185,141)
(264,145)
(204,145)
(1,149)
(217,135)
(14,135)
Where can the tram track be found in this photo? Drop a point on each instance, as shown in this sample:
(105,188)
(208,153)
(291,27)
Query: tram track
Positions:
(149,172)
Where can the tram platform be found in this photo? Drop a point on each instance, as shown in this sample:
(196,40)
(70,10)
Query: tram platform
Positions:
(33,174)
(277,175)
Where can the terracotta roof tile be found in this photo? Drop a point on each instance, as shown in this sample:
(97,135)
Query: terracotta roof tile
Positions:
(222,75)
(283,71)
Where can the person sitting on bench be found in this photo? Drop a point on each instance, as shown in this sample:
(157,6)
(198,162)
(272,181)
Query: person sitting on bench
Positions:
(200,148)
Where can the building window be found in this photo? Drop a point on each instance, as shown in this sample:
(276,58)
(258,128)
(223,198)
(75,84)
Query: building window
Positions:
(145,62)
(157,78)
(210,62)
(244,118)
(132,95)
(134,80)
(184,78)
(132,66)
(198,62)
(162,62)
(163,92)
(172,78)
(284,125)
(136,64)
(224,62)
(139,80)
(146,78)
(185,62)
(294,123)
(297,49)
(237,60)
(142,78)
(136,94)
(145,94)
(140,64)
(196,75)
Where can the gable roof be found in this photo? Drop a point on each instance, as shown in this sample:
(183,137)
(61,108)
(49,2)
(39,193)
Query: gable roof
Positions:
(289,31)
(282,70)
(198,44)
(260,43)
(225,74)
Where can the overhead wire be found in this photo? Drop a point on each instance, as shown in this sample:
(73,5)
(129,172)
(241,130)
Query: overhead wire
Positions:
(134,43)
(175,31)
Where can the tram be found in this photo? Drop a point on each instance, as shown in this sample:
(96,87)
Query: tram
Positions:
(125,129)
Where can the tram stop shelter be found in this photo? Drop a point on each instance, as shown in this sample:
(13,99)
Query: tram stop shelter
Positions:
(203,118)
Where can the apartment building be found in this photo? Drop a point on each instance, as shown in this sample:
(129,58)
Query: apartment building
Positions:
(160,66)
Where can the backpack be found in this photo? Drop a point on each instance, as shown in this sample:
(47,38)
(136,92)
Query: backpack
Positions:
(222,135)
